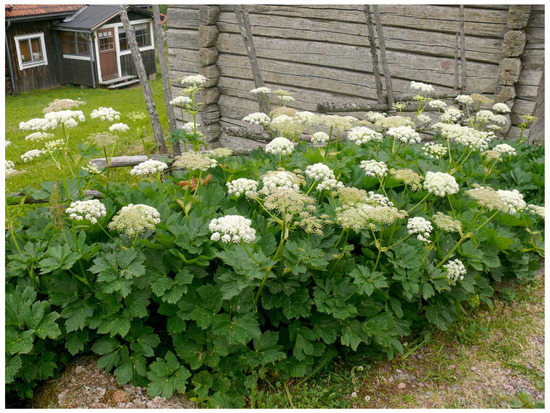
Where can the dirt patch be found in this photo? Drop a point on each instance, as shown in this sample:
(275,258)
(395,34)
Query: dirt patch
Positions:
(83,385)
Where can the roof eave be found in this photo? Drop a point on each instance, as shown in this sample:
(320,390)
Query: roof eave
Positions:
(49,16)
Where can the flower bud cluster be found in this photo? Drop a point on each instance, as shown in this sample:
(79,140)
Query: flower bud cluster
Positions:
(232,228)
(91,210)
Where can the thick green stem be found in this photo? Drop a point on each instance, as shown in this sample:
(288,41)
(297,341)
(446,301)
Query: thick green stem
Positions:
(422,200)
(460,241)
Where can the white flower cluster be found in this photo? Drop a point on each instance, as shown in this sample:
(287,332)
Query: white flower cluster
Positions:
(319,172)
(189,127)
(306,118)
(375,199)
(455,270)
(287,99)
(374,168)
(279,146)
(504,148)
(9,168)
(248,187)
(405,134)
(423,88)
(279,179)
(261,90)
(330,183)
(465,100)
(501,108)
(133,220)
(286,125)
(423,118)
(92,168)
(361,134)
(513,200)
(119,127)
(149,167)
(451,114)
(7,143)
(484,116)
(437,104)
(194,80)
(54,145)
(421,227)
(440,183)
(181,101)
(38,124)
(67,118)
(434,150)
(33,153)
(194,161)
(39,136)
(232,228)
(319,137)
(498,120)
(530,209)
(104,113)
(86,210)
(464,135)
(375,116)
(258,118)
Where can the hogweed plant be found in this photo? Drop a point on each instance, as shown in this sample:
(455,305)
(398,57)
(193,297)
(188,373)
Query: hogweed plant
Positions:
(232,271)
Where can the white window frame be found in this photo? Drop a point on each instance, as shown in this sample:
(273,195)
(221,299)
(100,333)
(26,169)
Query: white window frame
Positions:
(75,56)
(143,48)
(43,62)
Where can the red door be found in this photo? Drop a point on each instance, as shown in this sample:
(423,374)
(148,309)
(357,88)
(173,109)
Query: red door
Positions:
(107,54)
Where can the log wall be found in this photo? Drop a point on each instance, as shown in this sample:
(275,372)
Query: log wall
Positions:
(321,53)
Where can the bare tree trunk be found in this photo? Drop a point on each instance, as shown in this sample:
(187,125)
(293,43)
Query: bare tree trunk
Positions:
(147,92)
(462,49)
(241,13)
(375,68)
(159,38)
(382,44)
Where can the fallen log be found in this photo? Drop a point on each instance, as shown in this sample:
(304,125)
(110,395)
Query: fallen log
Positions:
(27,199)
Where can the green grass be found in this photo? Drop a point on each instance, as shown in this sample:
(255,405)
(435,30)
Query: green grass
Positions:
(30,105)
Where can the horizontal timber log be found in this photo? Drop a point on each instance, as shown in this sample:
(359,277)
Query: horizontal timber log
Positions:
(91,193)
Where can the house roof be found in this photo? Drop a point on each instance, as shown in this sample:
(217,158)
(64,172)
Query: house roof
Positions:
(91,17)
(33,11)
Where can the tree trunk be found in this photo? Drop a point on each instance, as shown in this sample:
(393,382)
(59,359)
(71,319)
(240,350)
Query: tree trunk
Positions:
(241,13)
(147,92)
(385,67)
(374,54)
(159,37)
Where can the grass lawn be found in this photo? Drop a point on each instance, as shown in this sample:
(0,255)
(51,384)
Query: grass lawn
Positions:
(30,105)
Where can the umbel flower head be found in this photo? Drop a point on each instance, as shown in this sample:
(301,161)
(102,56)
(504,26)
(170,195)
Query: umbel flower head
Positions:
(365,216)
(181,101)
(287,126)
(39,136)
(258,118)
(288,202)
(38,124)
(440,183)
(434,150)
(10,168)
(133,220)
(319,137)
(535,210)
(276,179)
(232,228)
(361,134)
(306,118)
(455,270)
(238,187)
(437,104)
(119,127)
(408,177)
(464,135)
(451,114)
(194,80)
(194,161)
(465,100)
(149,167)
(422,88)
(33,153)
(374,168)
(261,90)
(104,113)
(405,134)
(508,202)
(504,148)
(279,146)
(321,172)
(446,223)
(421,227)
(91,210)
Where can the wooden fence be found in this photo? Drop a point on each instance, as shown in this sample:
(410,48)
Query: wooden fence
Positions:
(321,53)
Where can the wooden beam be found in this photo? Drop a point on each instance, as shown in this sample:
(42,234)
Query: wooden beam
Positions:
(385,67)
(374,54)
(140,69)
(241,13)
(26,199)
(462,49)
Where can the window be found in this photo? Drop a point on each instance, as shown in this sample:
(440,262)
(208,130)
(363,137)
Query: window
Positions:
(142,33)
(31,50)
(106,41)
(75,44)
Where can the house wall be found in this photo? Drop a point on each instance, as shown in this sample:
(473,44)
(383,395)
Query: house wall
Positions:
(321,53)
(39,77)
(78,72)
(149,61)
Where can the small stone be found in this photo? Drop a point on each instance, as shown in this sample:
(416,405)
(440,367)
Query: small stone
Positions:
(402,386)
(451,367)
(473,368)
(119,396)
